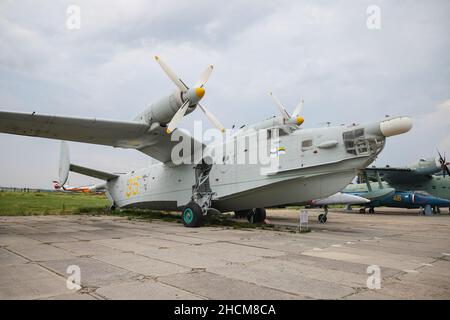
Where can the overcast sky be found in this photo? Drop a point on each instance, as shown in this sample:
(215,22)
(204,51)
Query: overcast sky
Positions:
(320,50)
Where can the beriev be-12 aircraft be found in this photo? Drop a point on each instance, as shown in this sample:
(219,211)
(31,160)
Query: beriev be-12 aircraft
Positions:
(304,163)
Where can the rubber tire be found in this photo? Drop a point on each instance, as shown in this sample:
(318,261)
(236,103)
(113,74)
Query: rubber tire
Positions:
(372,210)
(362,210)
(242,213)
(257,215)
(192,215)
(322,218)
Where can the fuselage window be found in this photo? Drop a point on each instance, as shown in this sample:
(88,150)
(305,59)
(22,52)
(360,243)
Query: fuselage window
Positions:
(307,144)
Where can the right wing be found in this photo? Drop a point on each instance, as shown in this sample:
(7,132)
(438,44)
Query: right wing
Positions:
(154,142)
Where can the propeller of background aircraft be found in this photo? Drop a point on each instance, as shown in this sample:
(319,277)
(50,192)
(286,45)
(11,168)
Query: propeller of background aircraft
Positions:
(295,117)
(192,96)
(444,164)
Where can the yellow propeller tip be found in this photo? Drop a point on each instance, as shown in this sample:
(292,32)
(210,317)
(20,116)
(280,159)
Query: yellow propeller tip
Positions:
(200,92)
(156,57)
(300,120)
(222,130)
(168,131)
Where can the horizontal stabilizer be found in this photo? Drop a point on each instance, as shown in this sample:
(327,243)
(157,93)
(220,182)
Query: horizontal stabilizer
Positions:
(92,173)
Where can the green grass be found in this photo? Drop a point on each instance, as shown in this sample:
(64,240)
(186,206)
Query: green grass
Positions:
(35,203)
(59,203)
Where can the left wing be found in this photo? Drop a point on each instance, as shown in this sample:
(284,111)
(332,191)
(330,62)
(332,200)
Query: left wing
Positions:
(153,141)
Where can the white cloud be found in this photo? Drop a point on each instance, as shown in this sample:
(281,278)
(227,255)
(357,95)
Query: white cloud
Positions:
(319,50)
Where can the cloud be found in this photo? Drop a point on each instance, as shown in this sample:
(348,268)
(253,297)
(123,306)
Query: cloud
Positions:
(438,121)
(321,51)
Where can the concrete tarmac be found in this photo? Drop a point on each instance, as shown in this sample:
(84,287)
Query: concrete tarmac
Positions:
(120,258)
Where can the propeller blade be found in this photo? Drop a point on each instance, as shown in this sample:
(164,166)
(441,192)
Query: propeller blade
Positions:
(446,170)
(212,118)
(440,157)
(298,109)
(282,110)
(173,124)
(443,163)
(204,76)
(180,84)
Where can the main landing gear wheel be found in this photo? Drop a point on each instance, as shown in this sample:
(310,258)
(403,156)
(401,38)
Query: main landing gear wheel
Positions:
(257,215)
(192,215)
(242,213)
(322,218)
(362,210)
(371,210)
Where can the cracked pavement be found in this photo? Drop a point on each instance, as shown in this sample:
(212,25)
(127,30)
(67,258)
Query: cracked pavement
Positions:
(132,259)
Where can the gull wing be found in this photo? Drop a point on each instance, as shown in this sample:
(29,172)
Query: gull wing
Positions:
(154,142)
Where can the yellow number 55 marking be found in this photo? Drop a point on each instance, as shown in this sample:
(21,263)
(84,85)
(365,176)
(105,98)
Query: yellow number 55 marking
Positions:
(132,186)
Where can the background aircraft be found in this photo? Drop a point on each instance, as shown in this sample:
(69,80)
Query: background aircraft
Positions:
(420,176)
(99,188)
(397,199)
(335,199)
(414,186)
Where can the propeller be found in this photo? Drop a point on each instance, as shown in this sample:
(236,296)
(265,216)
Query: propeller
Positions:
(295,117)
(444,164)
(192,96)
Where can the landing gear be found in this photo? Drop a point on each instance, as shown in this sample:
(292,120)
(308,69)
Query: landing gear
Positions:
(257,215)
(371,210)
(323,216)
(242,213)
(111,208)
(436,210)
(192,215)
(362,210)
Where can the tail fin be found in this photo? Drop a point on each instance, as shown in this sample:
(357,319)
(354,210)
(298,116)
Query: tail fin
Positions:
(65,166)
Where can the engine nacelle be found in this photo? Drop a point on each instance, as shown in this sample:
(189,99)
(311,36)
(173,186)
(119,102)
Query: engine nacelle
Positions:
(163,110)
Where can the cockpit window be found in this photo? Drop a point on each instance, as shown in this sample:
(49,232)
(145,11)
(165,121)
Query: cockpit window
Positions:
(355,142)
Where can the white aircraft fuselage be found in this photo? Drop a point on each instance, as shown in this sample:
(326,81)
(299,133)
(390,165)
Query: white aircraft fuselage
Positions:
(316,163)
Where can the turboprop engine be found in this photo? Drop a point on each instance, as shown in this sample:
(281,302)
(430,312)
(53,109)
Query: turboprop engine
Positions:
(170,110)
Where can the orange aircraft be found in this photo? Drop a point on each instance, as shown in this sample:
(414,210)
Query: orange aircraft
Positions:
(100,188)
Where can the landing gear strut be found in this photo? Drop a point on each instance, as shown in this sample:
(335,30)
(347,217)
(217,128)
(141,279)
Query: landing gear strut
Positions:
(323,216)
(202,194)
